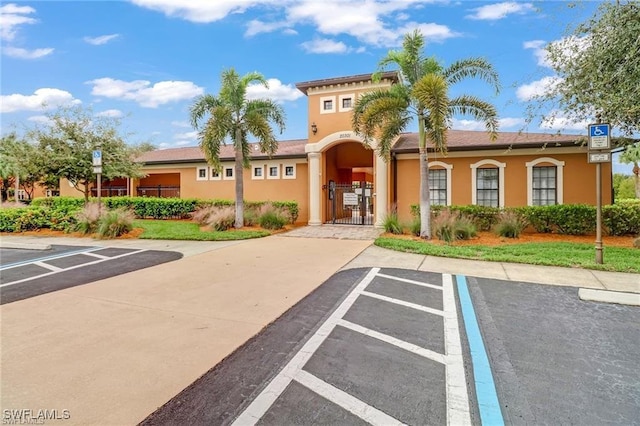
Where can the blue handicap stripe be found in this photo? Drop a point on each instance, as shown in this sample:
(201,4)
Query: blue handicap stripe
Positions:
(488,405)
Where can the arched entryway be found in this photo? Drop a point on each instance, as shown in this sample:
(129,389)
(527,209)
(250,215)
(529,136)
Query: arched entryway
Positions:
(349,185)
(341,157)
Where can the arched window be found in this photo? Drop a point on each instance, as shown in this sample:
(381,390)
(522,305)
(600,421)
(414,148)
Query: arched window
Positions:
(544,182)
(487,183)
(440,183)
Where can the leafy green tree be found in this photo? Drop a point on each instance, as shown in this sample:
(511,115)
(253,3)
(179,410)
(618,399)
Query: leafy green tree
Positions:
(623,186)
(68,143)
(423,94)
(631,155)
(20,164)
(599,66)
(231,116)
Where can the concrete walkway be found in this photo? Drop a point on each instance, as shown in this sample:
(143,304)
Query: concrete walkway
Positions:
(113,351)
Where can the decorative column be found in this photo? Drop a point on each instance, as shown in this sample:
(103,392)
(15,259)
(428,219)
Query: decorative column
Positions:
(314,189)
(381,188)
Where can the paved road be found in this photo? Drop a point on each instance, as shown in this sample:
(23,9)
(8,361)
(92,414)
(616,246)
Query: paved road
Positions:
(28,273)
(396,346)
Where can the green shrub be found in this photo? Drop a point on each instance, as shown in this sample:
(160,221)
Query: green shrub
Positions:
(60,203)
(444,226)
(115,223)
(465,229)
(391,223)
(9,219)
(510,225)
(87,219)
(222,218)
(272,218)
(415,226)
(573,219)
(622,218)
(251,216)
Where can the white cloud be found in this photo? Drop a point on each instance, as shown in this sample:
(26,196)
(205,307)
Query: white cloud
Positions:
(180,124)
(183,143)
(556,120)
(493,12)
(41,119)
(506,123)
(538,47)
(17,52)
(203,11)
(324,45)
(142,92)
(97,41)
(111,113)
(536,88)
(277,91)
(45,97)
(373,22)
(187,135)
(12,17)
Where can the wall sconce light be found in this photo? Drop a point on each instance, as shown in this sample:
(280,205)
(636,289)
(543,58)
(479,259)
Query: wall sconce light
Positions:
(314,128)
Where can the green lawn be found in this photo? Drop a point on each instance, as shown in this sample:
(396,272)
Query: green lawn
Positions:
(551,254)
(179,230)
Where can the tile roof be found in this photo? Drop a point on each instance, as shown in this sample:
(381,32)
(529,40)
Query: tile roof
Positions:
(292,148)
(306,85)
(457,140)
(468,140)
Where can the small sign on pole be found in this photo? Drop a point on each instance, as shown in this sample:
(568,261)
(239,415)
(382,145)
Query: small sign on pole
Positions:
(97,169)
(599,157)
(97,158)
(599,136)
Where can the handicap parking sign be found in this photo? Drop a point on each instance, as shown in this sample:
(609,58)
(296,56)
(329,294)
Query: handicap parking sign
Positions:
(599,136)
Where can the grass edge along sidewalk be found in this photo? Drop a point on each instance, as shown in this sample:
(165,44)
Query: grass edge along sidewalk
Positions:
(572,255)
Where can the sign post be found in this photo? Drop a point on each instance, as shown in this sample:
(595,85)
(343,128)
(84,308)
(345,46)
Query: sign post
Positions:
(599,152)
(97,169)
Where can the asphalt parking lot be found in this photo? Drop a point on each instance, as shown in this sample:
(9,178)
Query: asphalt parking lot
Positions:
(27,273)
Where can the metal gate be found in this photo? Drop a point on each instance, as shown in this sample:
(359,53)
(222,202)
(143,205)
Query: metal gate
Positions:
(350,203)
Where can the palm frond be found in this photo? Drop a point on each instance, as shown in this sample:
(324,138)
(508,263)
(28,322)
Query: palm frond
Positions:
(431,92)
(479,110)
(202,106)
(472,68)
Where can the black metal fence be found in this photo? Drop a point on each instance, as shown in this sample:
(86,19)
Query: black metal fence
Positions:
(158,191)
(350,203)
(110,191)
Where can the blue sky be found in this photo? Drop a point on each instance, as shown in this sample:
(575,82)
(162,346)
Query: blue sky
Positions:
(144,61)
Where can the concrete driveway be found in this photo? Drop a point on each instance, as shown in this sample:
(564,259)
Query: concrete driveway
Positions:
(113,351)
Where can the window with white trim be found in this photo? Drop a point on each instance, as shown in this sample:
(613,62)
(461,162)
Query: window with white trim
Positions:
(487,183)
(545,181)
(488,187)
(202,173)
(327,104)
(346,102)
(544,186)
(215,174)
(228,173)
(289,171)
(438,186)
(274,172)
(258,172)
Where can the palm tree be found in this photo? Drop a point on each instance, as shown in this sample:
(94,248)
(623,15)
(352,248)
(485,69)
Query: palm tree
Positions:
(632,155)
(231,116)
(423,95)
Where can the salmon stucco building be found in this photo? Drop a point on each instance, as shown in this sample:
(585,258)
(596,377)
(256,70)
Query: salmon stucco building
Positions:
(336,178)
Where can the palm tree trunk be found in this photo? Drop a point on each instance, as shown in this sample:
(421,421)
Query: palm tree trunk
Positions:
(425,199)
(636,172)
(239,223)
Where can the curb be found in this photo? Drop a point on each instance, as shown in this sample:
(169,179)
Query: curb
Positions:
(607,296)
(25,246)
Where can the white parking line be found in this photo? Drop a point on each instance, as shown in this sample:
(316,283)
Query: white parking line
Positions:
(458,412)
(267,397)
(403,303)
(47,266)
(410,347)
(51,257)
(339,397)
(408,281)
(70,268)
(457,401)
